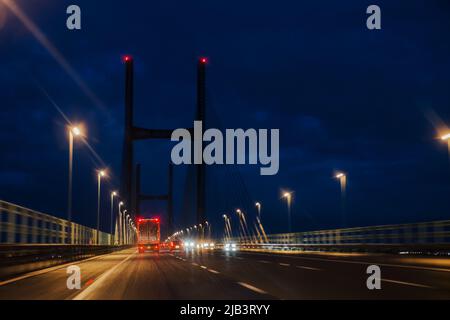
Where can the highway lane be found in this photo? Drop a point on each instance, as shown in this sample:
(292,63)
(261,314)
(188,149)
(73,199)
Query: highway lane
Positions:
(128,275)
(208,274)
(329,277)
(50,284)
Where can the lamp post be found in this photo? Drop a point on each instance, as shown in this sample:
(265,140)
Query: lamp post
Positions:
(342,177)
(258,208)
(113,194)
(227,227)
(208,225)
(288,197)
(119,223)
(100,175)
(124,227)
(73,132)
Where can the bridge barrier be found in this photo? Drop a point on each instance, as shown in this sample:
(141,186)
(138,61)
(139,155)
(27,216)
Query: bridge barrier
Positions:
(20,225)
(422,237)
(17,259)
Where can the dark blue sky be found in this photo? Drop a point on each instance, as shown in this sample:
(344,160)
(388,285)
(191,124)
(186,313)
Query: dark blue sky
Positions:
(344,98)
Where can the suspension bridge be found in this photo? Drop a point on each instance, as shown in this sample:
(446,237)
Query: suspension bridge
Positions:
(234,259)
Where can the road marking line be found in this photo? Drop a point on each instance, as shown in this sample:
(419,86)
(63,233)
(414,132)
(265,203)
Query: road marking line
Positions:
(213,271)
(284,264)
(354,262)
(50,269)
(250,287)
(93,286)
(240,258)
(263,261)
(195,264)
(407,283)
(203,267)
(308,268)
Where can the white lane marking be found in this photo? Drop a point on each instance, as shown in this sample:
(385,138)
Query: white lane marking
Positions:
(249,286)
(183,259)
(50,269)
(284,264)
(101,279)
(308,268)
(195,264)
(203,267)
(240,258)
(213,271)
(356,262)
(263,261)
(407,283)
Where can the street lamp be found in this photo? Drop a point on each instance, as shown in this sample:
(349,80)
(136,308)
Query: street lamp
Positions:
(342,177)
(119,223)
(258,207)
(124,226)
(342,180)
(227,226)
(288,197)
(100,175)
(113,194)
(242,223)
(73,132)
(209,229)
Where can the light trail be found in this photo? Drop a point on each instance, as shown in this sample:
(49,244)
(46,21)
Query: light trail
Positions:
(54,52)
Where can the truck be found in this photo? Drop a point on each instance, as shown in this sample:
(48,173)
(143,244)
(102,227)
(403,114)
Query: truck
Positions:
(148,234)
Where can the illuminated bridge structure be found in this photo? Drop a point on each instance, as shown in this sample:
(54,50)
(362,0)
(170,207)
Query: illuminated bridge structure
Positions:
(36,248)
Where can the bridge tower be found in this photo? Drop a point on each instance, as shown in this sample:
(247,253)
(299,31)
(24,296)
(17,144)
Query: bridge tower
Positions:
(200,116)
(131,192)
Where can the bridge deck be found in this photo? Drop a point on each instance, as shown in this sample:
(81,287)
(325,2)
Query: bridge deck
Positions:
(240,275)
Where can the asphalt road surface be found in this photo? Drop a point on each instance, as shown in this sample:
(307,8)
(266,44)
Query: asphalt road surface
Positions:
(215,274)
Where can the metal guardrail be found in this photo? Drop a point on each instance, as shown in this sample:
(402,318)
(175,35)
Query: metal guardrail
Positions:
(434,235)
(16,259)
(20,225)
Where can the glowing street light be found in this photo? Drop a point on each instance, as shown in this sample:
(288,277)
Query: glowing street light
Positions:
(342,180)
(113,194)
(242,222)
(288,197)
(227,226)
(73,132)
(119,223)
(258,207)
(342,177)
(100,175)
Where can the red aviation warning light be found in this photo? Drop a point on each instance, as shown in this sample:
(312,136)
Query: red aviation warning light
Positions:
(127,58)
(203,60)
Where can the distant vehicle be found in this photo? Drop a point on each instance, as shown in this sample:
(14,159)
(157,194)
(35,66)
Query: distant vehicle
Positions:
(175,245)
(230,247)
(148,235)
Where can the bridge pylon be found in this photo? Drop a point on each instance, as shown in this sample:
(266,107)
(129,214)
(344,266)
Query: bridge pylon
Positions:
(130,191)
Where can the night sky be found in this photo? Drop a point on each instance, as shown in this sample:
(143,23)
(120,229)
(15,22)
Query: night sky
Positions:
(369,103)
